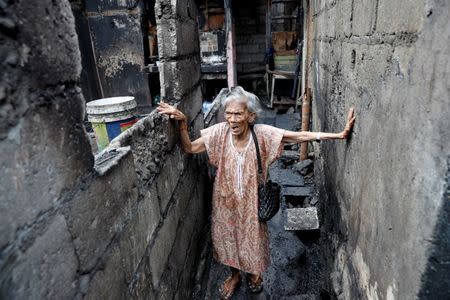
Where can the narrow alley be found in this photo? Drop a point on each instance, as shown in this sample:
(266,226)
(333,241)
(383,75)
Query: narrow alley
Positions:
(298,268)
(102,197)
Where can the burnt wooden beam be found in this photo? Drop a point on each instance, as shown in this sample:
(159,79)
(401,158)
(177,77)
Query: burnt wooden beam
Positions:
(231,49)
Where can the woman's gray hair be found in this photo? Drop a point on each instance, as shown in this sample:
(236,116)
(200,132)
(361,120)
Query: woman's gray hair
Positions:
(241,95)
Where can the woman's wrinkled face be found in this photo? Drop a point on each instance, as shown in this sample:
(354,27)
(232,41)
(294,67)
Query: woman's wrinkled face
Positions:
(238,117)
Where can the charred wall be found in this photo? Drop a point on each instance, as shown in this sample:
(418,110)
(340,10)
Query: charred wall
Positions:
(386,187)
(123,224)
(111,40)
(89,80)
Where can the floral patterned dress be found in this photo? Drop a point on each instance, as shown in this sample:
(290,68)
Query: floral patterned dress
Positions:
(239,239)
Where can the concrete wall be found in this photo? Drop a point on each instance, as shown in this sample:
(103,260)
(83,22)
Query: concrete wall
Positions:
(125,224)
(385,188)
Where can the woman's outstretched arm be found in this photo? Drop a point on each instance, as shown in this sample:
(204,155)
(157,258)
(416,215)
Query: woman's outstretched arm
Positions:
(306,136)
(189,146)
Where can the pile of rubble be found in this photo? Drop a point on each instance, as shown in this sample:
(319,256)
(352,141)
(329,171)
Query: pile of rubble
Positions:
(297,190)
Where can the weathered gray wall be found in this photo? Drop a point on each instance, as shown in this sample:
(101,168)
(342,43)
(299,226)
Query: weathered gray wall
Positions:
(128,226)
(385,187)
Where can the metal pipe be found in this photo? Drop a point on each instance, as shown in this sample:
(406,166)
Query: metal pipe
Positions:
(306,104)
(306,110)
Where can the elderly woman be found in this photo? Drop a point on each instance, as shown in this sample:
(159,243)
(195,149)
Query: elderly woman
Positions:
(240,240)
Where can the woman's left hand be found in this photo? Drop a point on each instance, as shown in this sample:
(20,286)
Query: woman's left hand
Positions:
(349,125)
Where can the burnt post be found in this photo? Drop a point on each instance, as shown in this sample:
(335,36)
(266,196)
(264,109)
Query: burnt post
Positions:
(231,50)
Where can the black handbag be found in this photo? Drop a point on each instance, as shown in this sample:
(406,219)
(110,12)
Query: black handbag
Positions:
(268,192)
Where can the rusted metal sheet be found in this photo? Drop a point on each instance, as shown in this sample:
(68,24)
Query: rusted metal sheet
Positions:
(119,52)
(90,82)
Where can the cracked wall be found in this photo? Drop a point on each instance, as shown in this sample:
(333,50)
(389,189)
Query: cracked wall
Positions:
(124,224)
(385,188)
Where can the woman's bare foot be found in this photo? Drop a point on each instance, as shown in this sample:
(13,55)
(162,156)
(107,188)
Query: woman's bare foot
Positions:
(230,284)
(255,283)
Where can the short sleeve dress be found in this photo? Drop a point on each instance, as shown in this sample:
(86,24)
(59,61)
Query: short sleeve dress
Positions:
(239,239)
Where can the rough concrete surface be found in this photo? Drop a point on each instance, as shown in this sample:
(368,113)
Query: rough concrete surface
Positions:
(49,262)
(385,186)
(73,227)
(302,219)
(91,225)
(35,139)
(131,229)
(179,51)
(180,34)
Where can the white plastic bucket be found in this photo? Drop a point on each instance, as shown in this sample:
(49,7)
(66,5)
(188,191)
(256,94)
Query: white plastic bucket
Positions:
(110,117)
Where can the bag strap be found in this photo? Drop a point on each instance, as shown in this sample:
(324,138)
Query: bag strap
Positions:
(258,156)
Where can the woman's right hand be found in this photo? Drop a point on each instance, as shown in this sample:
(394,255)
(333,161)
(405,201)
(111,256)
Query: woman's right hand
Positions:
(350,122)
(171,111)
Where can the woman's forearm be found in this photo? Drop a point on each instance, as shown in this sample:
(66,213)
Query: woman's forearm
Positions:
(189,146)
(317,136)
(186,142)
(307,136)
